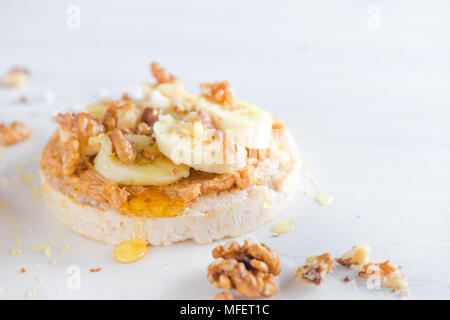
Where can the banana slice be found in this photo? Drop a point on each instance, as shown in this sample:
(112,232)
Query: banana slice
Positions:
(187,142)
(246,123)
(157,172)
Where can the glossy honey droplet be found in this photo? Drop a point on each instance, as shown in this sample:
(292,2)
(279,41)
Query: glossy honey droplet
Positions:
(130,251)
(284,226)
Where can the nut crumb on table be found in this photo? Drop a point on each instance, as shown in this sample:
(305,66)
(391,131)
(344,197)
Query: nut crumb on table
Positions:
(315,270)
(358,258)
(16,77)
(358,255)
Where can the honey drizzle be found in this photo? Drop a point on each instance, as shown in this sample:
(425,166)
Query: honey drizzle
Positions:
(324,199)
(41,278)
(16,251)
(26,178)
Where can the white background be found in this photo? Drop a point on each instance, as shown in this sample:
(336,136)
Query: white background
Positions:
(369,107)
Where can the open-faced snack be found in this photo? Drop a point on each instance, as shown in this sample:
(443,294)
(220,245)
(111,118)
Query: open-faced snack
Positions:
(169,167)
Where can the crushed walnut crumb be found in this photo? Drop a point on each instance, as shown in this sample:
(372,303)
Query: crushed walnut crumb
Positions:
(25,99)
(124,148)
(149,155)
(160,74)
(126,97)
(250,269)
(219,92)
(144,129)
(358,255)
(13,133)
(150,116)
(358,259)
(95,270)
(315,270)
(346,279)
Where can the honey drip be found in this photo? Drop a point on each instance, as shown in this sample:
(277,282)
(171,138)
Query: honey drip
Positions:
(130,251)
(154,203)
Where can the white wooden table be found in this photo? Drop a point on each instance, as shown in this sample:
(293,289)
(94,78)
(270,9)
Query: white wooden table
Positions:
(367,99)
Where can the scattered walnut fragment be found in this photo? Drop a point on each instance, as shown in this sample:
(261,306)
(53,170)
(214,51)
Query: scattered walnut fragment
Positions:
(386,272)
(125,149)
(249,269)
(358,258)
(95,270)
(358,255)
(219,92)
(16,77)
(150,116)
(224,295)
(122,114)
(149,155)
(14,132)
(315,270)
(70,155)
(25,99)
(81,125)
(144,129)
(160,74)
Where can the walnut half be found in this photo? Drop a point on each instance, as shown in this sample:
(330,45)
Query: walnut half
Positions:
(250,269)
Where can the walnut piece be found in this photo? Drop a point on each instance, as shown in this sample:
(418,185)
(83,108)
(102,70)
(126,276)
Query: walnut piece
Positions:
(219,92)
(316,269)
(121,114)
(83,125)
(160,74)
(224,295)
(385,271)
(16,77)
(150,116)
(144,129)
(358,258)
(250,269)
(14,132)
(149,155)
(358,255)
(71,154)
(125,149)
(211,130)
